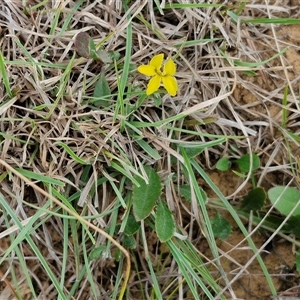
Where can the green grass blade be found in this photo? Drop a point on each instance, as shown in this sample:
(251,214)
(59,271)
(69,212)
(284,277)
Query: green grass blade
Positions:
(190,5)
(40,177)
(124,78)
(149,150)
(25,234)
(87,266)
(21,260)
(261,63)
(285,21)
(71,153)
(5,76)
(238,221)
(65,251)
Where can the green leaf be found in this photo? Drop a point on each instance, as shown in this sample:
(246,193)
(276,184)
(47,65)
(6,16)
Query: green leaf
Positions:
(297,262)
(284,21)
(129,242)
(239,174)
(5,76)
(97,251)
(145,196)
(150,151)
(254,200)
(220,226)
(260,63)
(157,99)
(104,56)
(71,153)
(114,55)
(244,162)
(40,177)
(118,255)
(223,164)
(273,221)
(193,151)
(101,90)
(164,222)
(287,197)
(293,226)
(233,16)
(132,226)
(93,51)
(185,192)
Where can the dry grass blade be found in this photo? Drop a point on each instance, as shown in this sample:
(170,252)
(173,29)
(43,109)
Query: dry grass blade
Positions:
(80,219)
(85,148)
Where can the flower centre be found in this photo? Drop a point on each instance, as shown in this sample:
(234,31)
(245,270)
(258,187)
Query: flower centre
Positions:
(159,72)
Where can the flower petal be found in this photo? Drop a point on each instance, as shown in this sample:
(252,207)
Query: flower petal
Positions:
(156,61)
(147,70)
(153,85)
(170,67)
(170,85)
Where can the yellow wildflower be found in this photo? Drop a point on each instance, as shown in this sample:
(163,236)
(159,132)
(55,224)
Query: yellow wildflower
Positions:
(161,74)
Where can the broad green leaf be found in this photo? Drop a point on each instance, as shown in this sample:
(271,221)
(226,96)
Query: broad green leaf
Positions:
(223,164)
(185,192)
(287,197)
(244,162)
(129,242)
(193,151)
(104,56)
(93,51)
(164,222)
(114,55)
(220,226)
(145,196)
(254,200)
(132,226)
(97,251)
(101,55)
(101,90)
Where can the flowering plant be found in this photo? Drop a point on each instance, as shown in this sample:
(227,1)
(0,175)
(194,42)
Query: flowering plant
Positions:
(161,74)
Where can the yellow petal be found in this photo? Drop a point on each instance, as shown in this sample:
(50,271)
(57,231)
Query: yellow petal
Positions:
(156,61)
(153,85)
(147,70)
(170,67)
(170,85)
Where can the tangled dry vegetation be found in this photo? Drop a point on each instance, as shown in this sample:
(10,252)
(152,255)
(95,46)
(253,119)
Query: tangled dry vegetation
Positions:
(51,126)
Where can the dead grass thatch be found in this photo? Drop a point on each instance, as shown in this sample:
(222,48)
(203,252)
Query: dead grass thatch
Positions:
(47,110)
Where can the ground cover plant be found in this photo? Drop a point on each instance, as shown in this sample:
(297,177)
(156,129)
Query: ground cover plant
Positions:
(149,149)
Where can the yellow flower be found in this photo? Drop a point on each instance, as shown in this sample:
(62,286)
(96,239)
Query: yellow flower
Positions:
(161,74)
